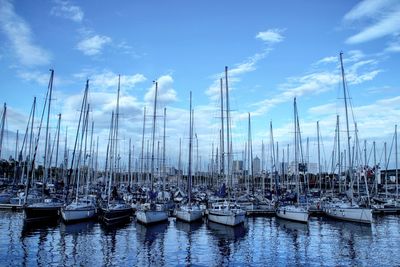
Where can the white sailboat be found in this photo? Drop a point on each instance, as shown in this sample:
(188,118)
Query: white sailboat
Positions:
(189,212)
(150,212)
(296,212)
(226,213)
(348,211)
(116,210)
(80,208)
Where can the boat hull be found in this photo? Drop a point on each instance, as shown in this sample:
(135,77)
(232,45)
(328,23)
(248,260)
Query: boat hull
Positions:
(226,218)
(116,215)
(78,214)
(189,215)
(361,215)
(151,216)
(292,214)
(41,213)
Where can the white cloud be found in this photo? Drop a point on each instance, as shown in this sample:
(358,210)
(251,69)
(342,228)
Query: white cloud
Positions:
(166,93)
(92,46)
(393,46)
(65,9)
(109,80)
(320,81)
(244,67)
(326,60)
(34,76)
(21,38)
(271,36)
(368,8)
(382,18)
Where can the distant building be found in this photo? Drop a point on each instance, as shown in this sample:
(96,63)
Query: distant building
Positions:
(256,165)
(237,165)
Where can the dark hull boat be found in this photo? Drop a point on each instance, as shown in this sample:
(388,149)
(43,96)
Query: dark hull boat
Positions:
(49,210)
(115,213)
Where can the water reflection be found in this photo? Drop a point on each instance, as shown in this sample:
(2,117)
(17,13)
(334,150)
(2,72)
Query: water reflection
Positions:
(187,241)
(151,238)
(188,228)
(77,228)
(226,238)
(292,226)
(260,242)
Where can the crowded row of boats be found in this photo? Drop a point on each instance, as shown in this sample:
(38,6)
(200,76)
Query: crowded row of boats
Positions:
(153,200)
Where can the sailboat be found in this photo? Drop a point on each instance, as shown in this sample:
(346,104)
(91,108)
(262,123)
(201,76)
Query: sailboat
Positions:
(296,212)
(189,212)
(226,212)
(348,211)
(81,208)
(49,207)
(115,210)
(150,212)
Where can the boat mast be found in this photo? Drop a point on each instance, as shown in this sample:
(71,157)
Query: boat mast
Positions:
(397,177)
(222,132)
(229,151)
(58,143)
(142,155)
(179,163)
(350,169)
(163,159)
(3,120)
(339,154)
(296,160)
(153,136)
(250,150)
(46,168)
(190,152)
(319,159)
(116,155)
(84,101)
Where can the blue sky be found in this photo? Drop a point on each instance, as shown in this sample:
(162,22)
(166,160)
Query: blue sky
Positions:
(275,51)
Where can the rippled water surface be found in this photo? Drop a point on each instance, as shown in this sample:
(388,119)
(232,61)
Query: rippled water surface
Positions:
(260,242)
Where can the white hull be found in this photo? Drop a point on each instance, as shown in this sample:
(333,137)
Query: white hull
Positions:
(151,216)
(189,215)
(81,210)
(354,214)
(78,214)
(226,218)
(293,214)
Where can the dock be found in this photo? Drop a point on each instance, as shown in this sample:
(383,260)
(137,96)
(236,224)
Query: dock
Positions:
(14,207)
(260,212)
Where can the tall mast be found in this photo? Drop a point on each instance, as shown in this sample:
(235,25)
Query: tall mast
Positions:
(163,157)
(129,163)
(3,120)
(319,159)
(58,143)
(339,153)
(229,178)
(116,155)
(350,167)
(179,162)
(190,151)
(142,155)
(153,136)
(47,129)
(397,175)
(30,137)
(222,133)
(375,169)
(272,148)
(250,154)
(81,117)
(296,159)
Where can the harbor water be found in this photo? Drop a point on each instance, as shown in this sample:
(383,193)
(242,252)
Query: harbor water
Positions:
(262,241)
